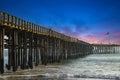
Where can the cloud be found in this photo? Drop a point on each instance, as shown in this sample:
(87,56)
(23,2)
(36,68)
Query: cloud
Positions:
(85,34)
(112,37)
(117,34)
(95,34)
(75,28)
(105,34)
(91,39)
(80,26)
(68,30)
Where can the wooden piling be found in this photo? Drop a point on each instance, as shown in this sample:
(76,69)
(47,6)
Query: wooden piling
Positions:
(9,50)
(24,51)
(30,57)
(2,32)
(14,49)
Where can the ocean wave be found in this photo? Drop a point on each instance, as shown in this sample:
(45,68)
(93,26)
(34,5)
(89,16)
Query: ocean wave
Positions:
(62,76)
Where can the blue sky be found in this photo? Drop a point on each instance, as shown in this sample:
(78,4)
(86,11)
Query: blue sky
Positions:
(88,20)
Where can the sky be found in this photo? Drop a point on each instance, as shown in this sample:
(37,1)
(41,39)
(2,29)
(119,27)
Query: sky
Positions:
(93,21)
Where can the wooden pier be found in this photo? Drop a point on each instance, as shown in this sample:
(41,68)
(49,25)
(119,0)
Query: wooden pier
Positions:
(29,44)
(106,49)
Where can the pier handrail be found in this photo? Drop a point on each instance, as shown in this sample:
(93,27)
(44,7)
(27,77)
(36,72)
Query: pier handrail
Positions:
(18,23)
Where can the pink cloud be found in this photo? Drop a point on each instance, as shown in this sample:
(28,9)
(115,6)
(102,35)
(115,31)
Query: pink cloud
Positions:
(117,34)
(100,39)
(105,34)
(91,39)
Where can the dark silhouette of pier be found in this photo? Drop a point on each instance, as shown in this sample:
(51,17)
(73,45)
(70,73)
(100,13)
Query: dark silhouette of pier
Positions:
(29,44)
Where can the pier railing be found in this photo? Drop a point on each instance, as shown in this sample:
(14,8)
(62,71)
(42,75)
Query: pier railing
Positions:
(18,23)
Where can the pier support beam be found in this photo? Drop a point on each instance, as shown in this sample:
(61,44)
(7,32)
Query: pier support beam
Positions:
(30,57)
(14,51)
(9,51)
(25,50)
(2,32)
(43,51)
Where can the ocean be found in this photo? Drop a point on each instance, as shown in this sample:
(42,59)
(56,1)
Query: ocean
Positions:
(91,67)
